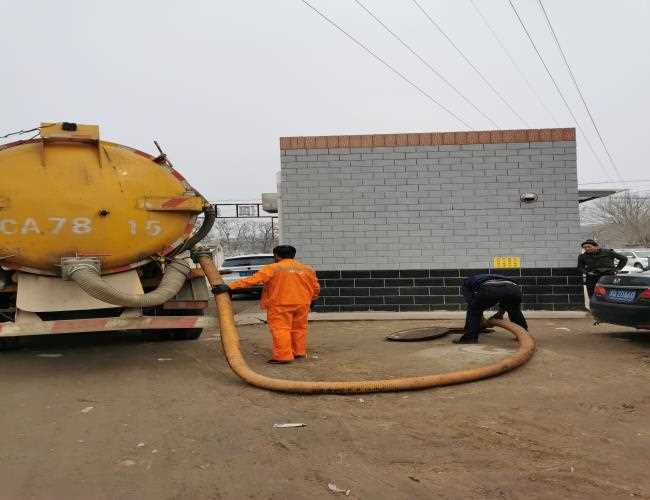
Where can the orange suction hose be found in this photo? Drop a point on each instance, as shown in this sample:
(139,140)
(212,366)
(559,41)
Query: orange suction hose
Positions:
(230,343)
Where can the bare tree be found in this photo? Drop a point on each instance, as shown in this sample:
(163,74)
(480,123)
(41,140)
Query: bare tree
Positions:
(247,237)
(624,217)
(267,237)
(224,231)
(239,236)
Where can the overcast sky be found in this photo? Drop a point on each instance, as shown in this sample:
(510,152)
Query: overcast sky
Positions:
(217,83)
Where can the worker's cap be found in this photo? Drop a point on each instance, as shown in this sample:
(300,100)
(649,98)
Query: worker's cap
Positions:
(589,242)
(285,251)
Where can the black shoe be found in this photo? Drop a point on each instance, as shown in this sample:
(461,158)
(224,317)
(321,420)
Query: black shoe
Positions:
(465,341)
(299,356)
(279,361)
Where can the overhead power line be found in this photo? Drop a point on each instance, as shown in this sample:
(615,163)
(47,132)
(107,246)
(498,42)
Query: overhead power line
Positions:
(575,83)
(426,63)
(18,132)
(472,65)
(513,61)
(391,68)
(22,132)
(557,88)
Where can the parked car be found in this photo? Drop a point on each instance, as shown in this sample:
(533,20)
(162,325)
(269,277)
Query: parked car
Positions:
(636,257)
(241,266)
(623,300)
(630,269)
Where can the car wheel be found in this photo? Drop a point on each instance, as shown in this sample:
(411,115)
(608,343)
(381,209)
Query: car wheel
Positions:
(638,265)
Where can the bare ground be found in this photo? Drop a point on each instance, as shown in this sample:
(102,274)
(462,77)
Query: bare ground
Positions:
(126,416)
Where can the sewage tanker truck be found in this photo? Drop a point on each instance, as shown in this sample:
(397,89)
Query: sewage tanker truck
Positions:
(94,237)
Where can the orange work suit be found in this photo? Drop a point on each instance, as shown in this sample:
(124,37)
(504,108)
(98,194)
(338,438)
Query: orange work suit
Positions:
(289,289)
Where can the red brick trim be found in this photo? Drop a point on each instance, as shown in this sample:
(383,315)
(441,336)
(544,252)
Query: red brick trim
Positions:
(429,138)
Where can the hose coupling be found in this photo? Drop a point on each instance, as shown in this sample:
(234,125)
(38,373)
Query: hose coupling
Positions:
(197,252)
(219,289)
(70,265)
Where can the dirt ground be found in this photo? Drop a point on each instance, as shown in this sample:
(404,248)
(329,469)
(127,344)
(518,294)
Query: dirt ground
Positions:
(128,416)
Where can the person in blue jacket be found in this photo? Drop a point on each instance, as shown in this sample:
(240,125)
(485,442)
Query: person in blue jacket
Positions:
(483,291)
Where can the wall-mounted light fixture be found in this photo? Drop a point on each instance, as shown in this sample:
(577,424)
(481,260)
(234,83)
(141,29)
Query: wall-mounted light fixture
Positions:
(528,197)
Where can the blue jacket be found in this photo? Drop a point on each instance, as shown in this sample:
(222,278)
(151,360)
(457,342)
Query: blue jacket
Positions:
(472,283)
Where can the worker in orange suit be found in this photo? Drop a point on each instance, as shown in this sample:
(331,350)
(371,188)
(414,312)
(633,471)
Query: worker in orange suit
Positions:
(289,289)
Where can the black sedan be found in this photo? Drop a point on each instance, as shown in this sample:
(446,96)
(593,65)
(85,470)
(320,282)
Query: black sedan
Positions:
(623,300)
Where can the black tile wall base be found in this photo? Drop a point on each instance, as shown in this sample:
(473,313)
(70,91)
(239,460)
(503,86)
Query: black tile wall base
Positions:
(549,289)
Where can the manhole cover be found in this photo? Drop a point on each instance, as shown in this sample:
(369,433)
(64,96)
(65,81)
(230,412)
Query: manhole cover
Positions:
(428,333)
(421,334)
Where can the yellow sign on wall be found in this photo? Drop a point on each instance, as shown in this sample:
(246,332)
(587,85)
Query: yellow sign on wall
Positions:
(506,261)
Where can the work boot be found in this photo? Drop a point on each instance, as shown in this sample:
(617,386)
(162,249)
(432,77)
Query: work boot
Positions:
(279,361)
(466,340)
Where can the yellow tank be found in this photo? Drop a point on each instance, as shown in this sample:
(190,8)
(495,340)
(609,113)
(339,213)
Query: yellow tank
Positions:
(69,194)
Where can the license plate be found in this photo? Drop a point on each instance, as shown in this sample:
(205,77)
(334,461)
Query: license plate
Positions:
(246,273)
(621,295)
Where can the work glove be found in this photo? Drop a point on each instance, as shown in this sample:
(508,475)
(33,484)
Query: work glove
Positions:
(219,289)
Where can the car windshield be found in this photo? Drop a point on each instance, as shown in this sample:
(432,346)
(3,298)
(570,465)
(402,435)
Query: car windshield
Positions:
(248,261)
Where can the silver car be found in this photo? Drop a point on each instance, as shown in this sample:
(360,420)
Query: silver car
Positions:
(639,258)
(242,266)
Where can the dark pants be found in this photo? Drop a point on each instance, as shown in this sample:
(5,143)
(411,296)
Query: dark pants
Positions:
(590,283)
(507,295)
(592,279)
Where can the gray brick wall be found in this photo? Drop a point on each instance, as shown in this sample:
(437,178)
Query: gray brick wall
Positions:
(424,207)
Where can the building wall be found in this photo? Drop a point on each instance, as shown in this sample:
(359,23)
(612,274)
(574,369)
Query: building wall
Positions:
(430,202)
(555,289)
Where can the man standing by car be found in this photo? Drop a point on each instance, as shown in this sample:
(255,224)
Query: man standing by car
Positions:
(596,262)
(289,289)
(483,291)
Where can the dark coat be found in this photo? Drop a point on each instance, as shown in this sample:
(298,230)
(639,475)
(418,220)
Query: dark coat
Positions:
(601,262)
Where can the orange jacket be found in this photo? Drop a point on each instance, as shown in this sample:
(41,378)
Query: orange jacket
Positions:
(286,283)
